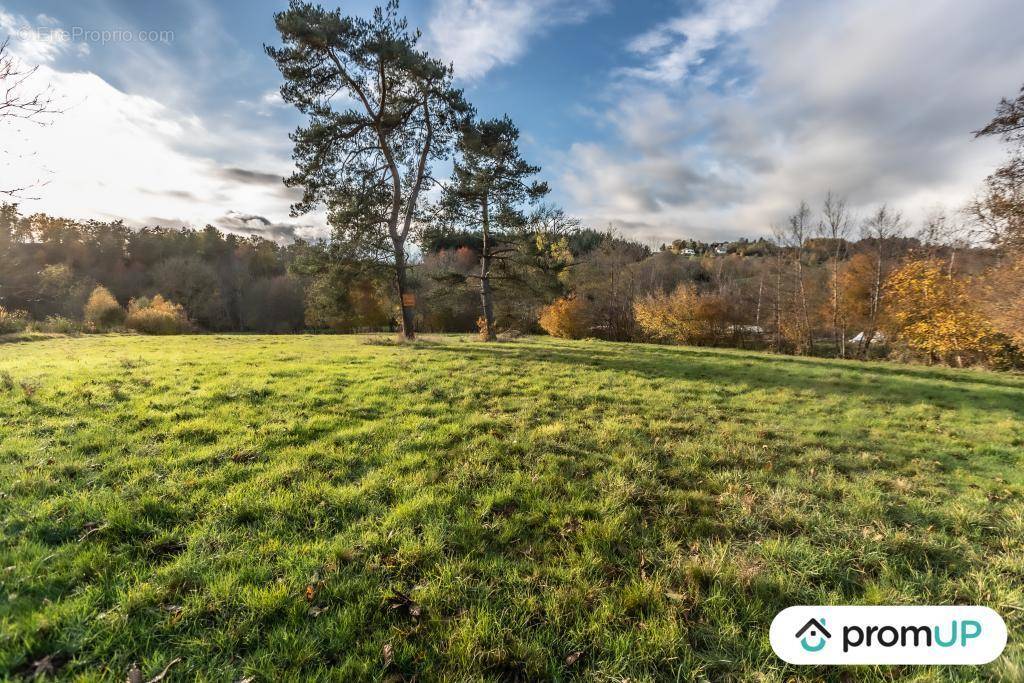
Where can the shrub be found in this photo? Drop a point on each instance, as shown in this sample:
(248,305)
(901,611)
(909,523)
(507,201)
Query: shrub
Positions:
(1008,355)
(482,332)
(102,311)
(12,321)
(156,316)
(567,317)
(58,324)
(685,316)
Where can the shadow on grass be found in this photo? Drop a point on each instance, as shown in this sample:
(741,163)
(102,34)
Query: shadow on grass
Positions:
(21,337)
(948,389)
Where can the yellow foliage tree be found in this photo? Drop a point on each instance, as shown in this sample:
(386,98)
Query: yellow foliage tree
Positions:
(102,311)
(156,316)
(685,316)
(931,313)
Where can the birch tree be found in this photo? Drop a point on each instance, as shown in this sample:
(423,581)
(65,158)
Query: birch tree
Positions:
(835,227)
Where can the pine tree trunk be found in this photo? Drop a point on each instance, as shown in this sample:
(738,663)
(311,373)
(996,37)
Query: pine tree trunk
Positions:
(486,299)
(404,295)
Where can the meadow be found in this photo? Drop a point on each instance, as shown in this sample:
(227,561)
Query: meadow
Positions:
(348,508)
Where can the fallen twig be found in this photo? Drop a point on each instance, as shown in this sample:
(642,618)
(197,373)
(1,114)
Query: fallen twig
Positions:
(160,677)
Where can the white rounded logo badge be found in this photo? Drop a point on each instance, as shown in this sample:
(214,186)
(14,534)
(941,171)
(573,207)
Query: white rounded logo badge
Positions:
(887,635)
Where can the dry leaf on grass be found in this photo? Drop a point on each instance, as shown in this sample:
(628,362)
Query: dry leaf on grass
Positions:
(401,602)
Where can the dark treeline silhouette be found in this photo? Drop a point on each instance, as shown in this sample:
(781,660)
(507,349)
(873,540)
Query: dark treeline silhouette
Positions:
(50,266)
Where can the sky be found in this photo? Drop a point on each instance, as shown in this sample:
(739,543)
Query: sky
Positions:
(661,119)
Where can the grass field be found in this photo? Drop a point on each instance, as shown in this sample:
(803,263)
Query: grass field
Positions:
(298,508)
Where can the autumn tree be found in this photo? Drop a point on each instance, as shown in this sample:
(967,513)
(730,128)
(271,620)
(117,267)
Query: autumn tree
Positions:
(369,163)
(942,236)
(879,231)
(793,313)
(835,228)
(685,316)
(1000,211)
(102,311)
(930,311)
(156,316)
(534,273)
(1000,296)
(606,279)
(489,186)
(568,317)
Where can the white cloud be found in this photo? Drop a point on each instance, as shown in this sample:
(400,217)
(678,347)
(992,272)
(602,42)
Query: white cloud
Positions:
(872,99)
(110,154)
(272,98)
(478,35)
(35,43)
(678,45)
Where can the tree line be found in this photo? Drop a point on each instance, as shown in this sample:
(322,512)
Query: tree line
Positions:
(51,267)
(926,293)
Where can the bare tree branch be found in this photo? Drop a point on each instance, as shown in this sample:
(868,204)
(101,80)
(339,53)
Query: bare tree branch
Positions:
(16,103)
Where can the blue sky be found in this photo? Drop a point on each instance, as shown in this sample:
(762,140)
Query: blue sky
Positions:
(663,119)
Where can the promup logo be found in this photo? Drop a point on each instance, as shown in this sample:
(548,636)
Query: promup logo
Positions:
(888,635)
(817,631)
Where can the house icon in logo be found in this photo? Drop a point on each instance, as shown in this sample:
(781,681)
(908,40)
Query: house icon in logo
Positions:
(817,631)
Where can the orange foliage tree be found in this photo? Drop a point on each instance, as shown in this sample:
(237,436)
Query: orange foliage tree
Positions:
(1002,296)
(568,318)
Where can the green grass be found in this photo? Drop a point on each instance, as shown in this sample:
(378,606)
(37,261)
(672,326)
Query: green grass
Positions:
(291,508)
